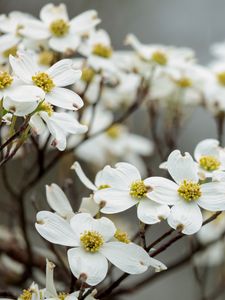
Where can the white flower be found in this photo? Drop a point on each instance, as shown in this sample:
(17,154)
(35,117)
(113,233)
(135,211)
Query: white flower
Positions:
(127,190)
(59,124)
(33,293)
(92,246)
(18,98)
(63,34)
(159,55)
(210,157)
(11,25)
(51,81)
(186,194)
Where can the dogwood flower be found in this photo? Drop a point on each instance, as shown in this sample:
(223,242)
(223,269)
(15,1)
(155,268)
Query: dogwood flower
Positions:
(59,124)
(64,35)
(186,194)
(92,246)
(51,81)
(128,190)
(33,293)
(210,157)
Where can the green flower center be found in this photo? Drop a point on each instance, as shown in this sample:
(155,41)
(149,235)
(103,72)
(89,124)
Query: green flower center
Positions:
(91,241)
(5,80)
(45,106)
(221,78)
(87,74)
(59,28)
(114,131)
(26,295)
(122,236)
(44,81)
(159,58)
(138,189)
(62,296)
(101,50)
(184,82)
(47,58)
(209,163)
(11,51)
(189,190)
(103,186)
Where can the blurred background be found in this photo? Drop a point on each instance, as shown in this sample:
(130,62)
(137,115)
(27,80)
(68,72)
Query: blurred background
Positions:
(193,23)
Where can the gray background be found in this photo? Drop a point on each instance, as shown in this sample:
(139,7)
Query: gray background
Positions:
(192,23)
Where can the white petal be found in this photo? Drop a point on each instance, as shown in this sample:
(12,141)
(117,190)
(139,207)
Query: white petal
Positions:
(187,216)
(83,178)
(64,98)
(37,124)
(207,147)
(35,30)
(213,196)
(23,66)
(26,93)
(50,286)
(8,41)
(19,108)
(84,22)
(182,167)
(93,265)
(150,212)
(115,200)
(85,222)
(58,201)
(88,205)
(128,170)
(129,258)
(64,44)
(163,191)
(51,12)
(55,229)
(63,73)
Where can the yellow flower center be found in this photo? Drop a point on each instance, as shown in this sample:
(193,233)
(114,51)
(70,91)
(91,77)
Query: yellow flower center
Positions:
(59,28)
(209,163)
(62,296)
(11,51)
(159,58)
(184,82)
(26,295)
(114,131)
(103,186)
(221,78)
(189,190)
(44,81)
(138,189)
(47,58)
(87,74)
(45,106)
(91,241)
(102,50)
(122,236)
(5,80)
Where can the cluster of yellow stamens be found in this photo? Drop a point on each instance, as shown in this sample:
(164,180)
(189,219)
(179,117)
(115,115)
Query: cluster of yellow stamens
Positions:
(122,236)
(44,81)
(209,163)
(47,58)
(221,78)
(114,131)
(102,50)
(87,74)
(159,58)
(91,241)
(62,296)
(26,295)
(11,51)
(103,186)
(184,82)
(189,190)
(138,189)
(5,80)
(59,27)
(45,106)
